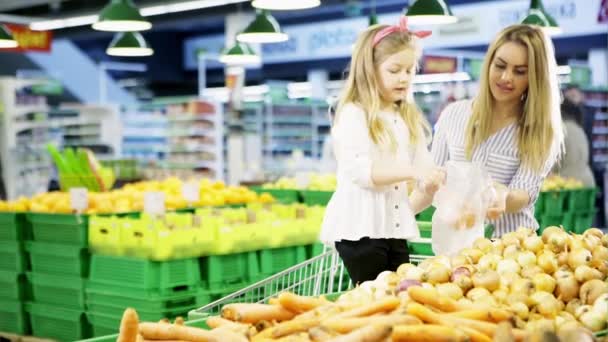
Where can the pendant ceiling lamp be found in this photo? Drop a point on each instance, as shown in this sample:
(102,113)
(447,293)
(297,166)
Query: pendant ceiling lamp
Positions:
(121,16)
(537,15)
(430,12)
(263,29)
(281,5)
(6,38)
(129,44)
(240,54)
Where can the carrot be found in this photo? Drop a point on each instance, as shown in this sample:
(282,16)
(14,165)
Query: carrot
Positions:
(490,315)
(428,333)
(484,327)
(225,334)
(179,320)
(346,325)
(321,312)
(321,334)
(129,325)
(253,312)
(292,327)
(381,305)
(475,335)
(424,313)
(299,304)
(376,332)
(301,337)
(430,297)
(273,301)
(139,338)
(163,331)
(504,333)
(164,320)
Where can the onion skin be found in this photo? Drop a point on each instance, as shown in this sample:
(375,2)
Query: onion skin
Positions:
(591,290)
(594,232)
(547,232)
(405,284)
(567,288)
(489,280)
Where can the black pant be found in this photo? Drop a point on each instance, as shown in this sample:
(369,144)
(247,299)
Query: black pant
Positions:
(366,258)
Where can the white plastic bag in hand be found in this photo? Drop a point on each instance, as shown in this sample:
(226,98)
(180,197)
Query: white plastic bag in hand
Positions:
(461,206)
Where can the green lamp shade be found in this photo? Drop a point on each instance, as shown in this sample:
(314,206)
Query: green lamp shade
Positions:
(537,15)
(239,54)
(429,12)
(121,16)
(263,29)
(6,38)
(282,5)
(373,20)
(129,44)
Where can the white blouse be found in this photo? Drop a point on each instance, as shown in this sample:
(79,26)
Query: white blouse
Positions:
(358,208)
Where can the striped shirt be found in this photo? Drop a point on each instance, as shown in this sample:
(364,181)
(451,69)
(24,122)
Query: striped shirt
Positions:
(500,156)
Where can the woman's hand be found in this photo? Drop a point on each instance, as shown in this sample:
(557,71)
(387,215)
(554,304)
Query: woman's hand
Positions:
(433,181)
(498,205)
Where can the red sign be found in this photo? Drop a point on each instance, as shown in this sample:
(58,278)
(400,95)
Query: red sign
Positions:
(29,40)
(435,64)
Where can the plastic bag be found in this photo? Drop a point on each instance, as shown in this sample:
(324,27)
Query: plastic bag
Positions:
(461,206)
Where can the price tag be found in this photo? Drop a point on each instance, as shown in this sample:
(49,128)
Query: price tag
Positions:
(79,199)
(154,203)
(190,191)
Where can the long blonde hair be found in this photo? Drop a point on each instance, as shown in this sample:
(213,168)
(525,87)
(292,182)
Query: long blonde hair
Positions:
(363,86)
(540,134)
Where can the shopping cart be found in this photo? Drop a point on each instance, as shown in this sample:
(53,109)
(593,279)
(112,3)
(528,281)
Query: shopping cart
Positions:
(323,274)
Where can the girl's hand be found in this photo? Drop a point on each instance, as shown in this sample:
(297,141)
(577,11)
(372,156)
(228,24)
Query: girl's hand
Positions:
(431,183)
(498,206)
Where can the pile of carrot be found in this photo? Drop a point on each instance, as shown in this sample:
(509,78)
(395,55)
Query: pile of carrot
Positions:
(290,317)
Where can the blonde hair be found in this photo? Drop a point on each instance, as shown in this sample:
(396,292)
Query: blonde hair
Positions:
(363,86)
(540,134)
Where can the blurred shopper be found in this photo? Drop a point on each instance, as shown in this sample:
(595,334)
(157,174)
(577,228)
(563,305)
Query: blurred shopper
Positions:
(575,162)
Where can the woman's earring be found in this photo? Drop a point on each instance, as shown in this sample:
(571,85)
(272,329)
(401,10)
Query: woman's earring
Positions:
(524,96)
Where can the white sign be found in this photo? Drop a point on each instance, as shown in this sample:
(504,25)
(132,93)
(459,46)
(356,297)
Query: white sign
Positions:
(154,203)
(190,191)
(79,199)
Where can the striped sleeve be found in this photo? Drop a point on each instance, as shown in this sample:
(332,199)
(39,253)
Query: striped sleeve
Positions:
(439,148)
(530,180)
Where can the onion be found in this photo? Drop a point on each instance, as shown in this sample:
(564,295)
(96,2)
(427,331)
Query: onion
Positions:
(436,274)
(530,272)
(414,273)
(425,264)
(574,331)
(465,302)
(539,327)
(402,269)
(584,273)
(478,292)
(600,265)
(575,242)
(567,316)
(558,241)
(450,290)
(473,253)
(591,290)
(547,262)
(526,259)
(539,296)
(486,301)
(506,279)
(518,297)
(573,306)
(544,282)
(563,271)
(567,287)
(442,259)
(388,278)
(601,305)
(591,241)
(562,258)
(460,260)
(428,286)
(483,244)
(523,286)
(599,253)
(488,262)
(507,266)
(593,320)
(549,231)
(524,232)
(548,307)
(405,284)
(578,257)
(511,252)
(605,240)
(501,295)
(510,239)
(497,247)
(582,310)
(460,272)
(487,279)
(520,309)
(464,282)
(533,244)
(594,232)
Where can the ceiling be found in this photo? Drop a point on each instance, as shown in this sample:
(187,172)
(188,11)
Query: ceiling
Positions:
(166,75)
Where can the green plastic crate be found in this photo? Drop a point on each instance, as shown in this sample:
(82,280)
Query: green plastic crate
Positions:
(13,227)
(278,259)
(581,199)
(13,286)
(426,214)
(144,316)
(315,249)
(12,257)
(164,277)
(58,259)
(553,203)
(583,221)
(65,291)
(219,271)
(311,197)
(13,317)
(547,220)
(59,228)
(58,323)
(285,196)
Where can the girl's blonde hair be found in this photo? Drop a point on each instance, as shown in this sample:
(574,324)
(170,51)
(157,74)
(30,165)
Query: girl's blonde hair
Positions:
(363,86)
(540,134)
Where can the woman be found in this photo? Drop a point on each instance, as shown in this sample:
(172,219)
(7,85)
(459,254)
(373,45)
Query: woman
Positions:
(513,125)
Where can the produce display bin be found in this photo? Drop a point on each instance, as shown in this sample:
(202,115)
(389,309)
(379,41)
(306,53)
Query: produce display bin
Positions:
(59,290)
(62,324)
(58,259)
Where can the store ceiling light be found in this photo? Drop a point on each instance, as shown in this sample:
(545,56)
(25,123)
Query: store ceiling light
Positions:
(121,16)
(537,15)
(59,23)
(263,29)
(6,38)
(282,5)
(430,12)
(129,44)
(240,54)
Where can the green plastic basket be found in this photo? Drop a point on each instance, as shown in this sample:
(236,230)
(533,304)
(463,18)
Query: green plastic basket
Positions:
(278,259)
(13,227)
(59,228)
(13,286)
(583,221)
(311,197)
(164,277)
(582,199)
(219,271)
(547,220)
(58,323)
(12,257)
(58,259)
(552,202)
(13,317)
(64,291)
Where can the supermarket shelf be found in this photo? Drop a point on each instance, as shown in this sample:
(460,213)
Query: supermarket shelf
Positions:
(601,116)
(21,110)
(600,144)
(600,130)
(600,158)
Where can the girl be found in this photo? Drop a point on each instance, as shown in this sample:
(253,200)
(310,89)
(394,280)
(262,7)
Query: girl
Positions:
(378,137)
(513,126)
